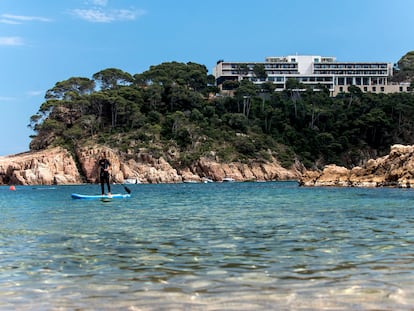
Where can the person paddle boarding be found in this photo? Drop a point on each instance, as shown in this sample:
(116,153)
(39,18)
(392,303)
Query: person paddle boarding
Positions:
(104,165)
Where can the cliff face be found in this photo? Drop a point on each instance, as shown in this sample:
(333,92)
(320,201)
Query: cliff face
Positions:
(57,166)
(147,169)
(53,166)
(394,170)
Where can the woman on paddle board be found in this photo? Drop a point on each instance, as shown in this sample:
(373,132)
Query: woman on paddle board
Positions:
(104,166)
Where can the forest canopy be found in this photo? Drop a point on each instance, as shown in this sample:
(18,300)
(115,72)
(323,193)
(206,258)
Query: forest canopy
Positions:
(176,106)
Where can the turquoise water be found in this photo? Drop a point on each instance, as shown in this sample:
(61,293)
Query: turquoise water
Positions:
(219,246)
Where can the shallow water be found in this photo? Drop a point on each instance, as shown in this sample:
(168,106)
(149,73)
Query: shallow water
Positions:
(220,246)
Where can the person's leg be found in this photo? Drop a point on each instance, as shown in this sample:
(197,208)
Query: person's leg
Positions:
(102,185)
(108,185)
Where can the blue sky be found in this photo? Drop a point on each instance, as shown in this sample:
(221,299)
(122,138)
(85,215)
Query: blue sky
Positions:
(46,41)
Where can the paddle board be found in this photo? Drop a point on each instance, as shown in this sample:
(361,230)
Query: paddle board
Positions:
(99,197)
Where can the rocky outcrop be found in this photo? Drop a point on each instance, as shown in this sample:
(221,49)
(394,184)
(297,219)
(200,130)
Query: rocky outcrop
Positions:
(256,170)
(57,166)
(393,170)
(142,167)
(147,169)
(52,166)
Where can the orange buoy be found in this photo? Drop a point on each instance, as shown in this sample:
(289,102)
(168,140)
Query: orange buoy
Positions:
(12,188)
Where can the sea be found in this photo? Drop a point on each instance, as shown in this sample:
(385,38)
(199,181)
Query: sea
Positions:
(216,246)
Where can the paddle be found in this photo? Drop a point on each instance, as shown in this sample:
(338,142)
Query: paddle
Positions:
(127,189)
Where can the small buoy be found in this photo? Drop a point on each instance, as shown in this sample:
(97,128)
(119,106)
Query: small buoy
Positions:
(12,188)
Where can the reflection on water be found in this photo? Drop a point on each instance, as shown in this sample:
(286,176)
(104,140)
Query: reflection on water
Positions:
(238,246)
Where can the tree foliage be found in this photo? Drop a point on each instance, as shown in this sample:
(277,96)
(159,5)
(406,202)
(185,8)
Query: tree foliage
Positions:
(172,104)
(405,68)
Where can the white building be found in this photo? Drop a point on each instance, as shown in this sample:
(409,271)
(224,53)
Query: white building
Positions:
(313,71)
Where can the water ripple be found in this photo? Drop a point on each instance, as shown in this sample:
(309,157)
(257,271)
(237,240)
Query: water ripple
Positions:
(241,246)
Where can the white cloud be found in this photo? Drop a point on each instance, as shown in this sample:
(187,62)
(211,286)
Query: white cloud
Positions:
(9,21)
(7,99)
(93,15)
(11,41)
(35,93)
(19,19)
(107,16)
(100,2)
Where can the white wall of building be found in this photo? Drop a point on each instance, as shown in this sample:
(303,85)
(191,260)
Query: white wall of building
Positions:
(304,62)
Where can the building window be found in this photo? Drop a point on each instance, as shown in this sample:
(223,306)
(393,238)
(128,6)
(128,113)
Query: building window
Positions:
(341,89)
(374,89)
(365,89)
(382,89)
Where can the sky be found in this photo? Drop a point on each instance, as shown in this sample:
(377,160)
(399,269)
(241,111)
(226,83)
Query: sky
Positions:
(43,42)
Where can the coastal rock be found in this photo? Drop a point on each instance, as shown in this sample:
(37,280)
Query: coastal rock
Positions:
(146,169)
(254,171)
(395,169)
(47,167)
(58,166)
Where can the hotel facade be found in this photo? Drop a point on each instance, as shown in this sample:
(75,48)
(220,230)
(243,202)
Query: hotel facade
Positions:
(313,71)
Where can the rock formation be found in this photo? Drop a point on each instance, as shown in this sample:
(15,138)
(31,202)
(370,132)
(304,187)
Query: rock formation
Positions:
(52,166)
(393,170)
(256,170)
(58,166)
(146,169)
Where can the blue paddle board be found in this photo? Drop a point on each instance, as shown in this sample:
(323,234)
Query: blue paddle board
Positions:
(99,197)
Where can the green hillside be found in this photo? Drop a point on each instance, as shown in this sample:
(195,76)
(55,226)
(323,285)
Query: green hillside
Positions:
(405,68)
(174,110)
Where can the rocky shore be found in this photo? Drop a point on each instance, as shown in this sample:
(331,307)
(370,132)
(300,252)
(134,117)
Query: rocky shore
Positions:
(58,166)
(393,170)
(53,166)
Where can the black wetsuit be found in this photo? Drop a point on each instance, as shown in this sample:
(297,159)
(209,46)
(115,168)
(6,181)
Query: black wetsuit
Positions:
(104,174)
